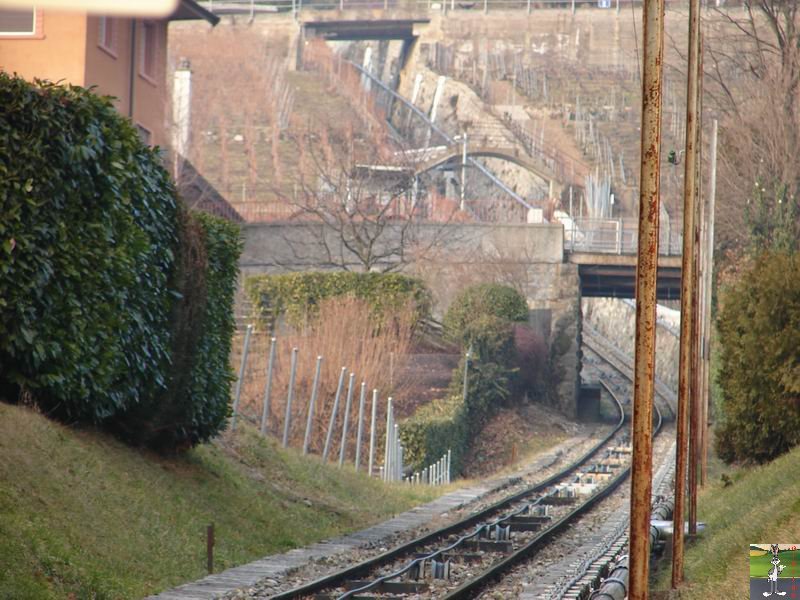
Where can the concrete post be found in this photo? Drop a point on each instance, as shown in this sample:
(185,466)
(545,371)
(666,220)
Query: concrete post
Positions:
(311,403)
(332,421)
(372,433)
(362,398)
(268,387)
(346,420)
(287,424)
(388,444)
(239,382)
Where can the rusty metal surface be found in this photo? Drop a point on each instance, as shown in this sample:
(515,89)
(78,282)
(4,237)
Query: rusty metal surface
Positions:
(647,262)
(686,370)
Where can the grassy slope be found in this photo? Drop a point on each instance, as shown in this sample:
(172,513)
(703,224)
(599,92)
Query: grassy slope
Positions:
(82,514)
(761,506)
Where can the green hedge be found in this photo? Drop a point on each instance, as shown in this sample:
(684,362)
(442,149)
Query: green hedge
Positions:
(485,299)
(297,295)
(90,240)
(486,330)
(759,376)
(196,402)
(88,237)
(436,428)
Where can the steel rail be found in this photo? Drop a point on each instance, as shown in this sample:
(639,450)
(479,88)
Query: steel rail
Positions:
(336,579)
(467,589)
(481,528)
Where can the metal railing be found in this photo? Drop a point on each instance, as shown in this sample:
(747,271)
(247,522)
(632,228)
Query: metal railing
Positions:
(253,7)
(617,236)
(418,124)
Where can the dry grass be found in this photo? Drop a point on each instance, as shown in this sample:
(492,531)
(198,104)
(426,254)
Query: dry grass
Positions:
(346,334)
(84,516)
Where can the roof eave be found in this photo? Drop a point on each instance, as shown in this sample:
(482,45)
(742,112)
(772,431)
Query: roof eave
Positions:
(190,10)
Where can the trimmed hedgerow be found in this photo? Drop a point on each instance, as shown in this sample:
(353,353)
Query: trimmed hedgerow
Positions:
(297,295)
(196,402)
(87,242)
(95,257)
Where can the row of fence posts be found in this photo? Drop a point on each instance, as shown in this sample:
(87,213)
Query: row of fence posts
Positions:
(393,468)
(437,473)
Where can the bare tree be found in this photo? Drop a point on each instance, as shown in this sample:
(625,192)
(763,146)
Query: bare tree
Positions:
(752,72)
(367,211)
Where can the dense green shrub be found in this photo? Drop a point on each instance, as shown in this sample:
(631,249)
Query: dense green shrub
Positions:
(196,402)
(87,242)
(492,299)
(759,376)
(297,295)
(100,311)
(485,328)
(436,428)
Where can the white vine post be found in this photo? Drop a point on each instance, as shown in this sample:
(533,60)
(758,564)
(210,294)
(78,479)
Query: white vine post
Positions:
(372,433)
(290,395)
(362,398)
(346,420)
(329,437)
(268,387)
(311,404)
(387,454)
(241,376)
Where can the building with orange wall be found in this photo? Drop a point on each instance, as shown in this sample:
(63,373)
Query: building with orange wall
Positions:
(123,57)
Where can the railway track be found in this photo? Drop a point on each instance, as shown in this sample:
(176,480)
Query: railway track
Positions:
(462,558)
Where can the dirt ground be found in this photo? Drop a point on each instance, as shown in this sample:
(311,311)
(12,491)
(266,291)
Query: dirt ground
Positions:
(514,433)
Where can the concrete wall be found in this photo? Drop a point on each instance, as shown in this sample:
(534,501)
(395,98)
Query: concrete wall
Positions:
(615,319)
(449,259)
(282,247)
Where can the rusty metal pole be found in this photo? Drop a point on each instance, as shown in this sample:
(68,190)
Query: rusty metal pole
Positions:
(646,270)
(687,291)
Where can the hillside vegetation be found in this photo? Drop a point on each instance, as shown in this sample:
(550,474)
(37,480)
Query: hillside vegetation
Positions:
(84,516)
(760,506)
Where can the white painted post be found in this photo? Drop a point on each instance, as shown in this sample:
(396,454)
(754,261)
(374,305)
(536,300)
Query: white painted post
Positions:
(241,376)
(449,465)
(388,445)
(288,421)
(311,404)
(396,448)
(332,421)
(268,388)
(466,371)
(360,432)
(372,433)
(464,171)
(346,421)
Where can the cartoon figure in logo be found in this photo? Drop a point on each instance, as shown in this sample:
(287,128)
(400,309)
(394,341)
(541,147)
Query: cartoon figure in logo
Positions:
(774,571)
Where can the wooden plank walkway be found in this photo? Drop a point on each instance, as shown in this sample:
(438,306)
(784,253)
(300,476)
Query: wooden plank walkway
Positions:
(278,565)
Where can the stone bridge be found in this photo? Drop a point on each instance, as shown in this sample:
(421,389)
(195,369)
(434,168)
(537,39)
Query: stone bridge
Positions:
(529,257)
